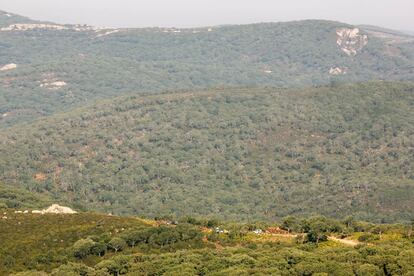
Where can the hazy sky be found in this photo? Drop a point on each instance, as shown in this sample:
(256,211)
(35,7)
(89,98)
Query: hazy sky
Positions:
(397,14)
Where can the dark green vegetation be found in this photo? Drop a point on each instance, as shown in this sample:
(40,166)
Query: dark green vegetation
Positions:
(90,244)
(114,133)
(137,61)
(234,154)
(13,197)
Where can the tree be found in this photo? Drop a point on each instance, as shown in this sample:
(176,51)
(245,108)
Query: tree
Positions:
(117,244)
(349,221)
(315,236)
(290,224)
(134,237)
(379,229)
(72,269)
(99,248)
(109,266)
(212,223)
(82,248)
(116,266)
(317,228)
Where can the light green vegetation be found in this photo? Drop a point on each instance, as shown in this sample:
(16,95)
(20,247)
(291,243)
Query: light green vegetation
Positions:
(90,244)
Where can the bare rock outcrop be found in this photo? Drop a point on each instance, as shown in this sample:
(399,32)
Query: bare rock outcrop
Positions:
(350,41)
(52,85)
(55,209)
(29,27)
(7,67)
(337,71)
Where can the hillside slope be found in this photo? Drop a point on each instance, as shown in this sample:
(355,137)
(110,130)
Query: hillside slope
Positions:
(98,245)
(57,67)
(31,241)
(7,19)
(15,197)
(231,153)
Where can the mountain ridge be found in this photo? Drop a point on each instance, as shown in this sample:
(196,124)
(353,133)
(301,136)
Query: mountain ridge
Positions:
(362,26)
(27,19)
(50,68)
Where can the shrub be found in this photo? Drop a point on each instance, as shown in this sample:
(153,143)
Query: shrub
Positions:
(367,237)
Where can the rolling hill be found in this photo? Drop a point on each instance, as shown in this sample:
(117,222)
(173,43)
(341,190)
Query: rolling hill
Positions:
(231,153)
(95,244)
(225,150)
(46,68)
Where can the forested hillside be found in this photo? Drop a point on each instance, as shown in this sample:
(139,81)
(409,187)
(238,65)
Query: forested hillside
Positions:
(6,19)
(17,197)
(230,153)
(46,67)
(99,245)
(262,149)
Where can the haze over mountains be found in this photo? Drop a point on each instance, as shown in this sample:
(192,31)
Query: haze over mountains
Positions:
(57,67)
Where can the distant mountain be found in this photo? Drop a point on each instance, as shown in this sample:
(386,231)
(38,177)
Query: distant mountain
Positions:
(230,153)
(408,32)
(377,29)
(47,67)
(6,19)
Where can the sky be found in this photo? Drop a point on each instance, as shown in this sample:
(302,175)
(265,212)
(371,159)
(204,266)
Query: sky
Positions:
(396,14)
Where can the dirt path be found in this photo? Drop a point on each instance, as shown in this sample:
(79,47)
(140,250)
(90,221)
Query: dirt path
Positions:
(344,241)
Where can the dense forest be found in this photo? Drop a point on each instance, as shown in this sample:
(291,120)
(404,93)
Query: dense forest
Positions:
(74,65)
(91,244)
(231,153)
(262,149)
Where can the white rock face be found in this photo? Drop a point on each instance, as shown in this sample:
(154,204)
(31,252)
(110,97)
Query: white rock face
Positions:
(55,27)
(55,209)
(28,27)
(53,85)
(351,41)
(58,83)
(9,66)
(84,28)
(171,30)
(337,71)
(107,33)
